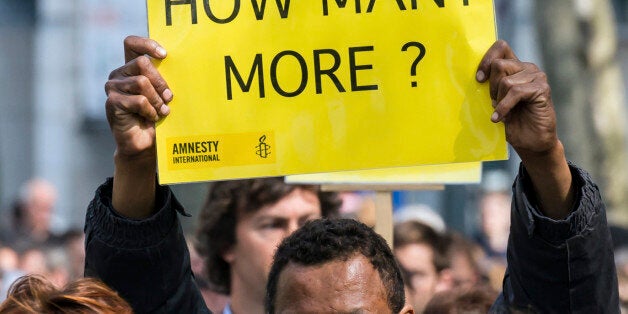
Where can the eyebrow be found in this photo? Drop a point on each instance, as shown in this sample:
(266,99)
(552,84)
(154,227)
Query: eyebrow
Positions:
(275,216)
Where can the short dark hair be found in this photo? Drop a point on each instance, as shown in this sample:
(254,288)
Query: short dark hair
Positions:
(325,240)
(226,202)
(414,232)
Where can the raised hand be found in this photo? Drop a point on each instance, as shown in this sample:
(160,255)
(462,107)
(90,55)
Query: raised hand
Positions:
(137,97)
(522,100)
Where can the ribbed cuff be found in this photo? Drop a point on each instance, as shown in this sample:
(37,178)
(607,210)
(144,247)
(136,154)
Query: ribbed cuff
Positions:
(579,220)
(125,233)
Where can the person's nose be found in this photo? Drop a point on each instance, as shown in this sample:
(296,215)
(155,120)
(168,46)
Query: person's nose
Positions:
(293,225)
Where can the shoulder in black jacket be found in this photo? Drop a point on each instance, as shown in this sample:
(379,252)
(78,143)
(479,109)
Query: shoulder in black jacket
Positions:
(562,266)
(146,261)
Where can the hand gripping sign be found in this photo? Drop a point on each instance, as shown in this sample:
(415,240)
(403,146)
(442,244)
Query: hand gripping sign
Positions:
(277,87)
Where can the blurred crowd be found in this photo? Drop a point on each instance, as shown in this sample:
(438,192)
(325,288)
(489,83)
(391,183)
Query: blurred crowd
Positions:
(27,245)
(441,267)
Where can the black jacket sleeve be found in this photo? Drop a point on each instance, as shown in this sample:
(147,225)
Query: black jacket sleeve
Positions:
(146,261)
(562,266)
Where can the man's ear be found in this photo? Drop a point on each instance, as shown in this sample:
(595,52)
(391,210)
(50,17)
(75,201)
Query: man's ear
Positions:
(407,309)
(445,280)
(228,255)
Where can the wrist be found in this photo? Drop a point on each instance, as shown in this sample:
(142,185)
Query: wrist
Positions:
(143,164)
(547,158)
(552,148)
(143,157)
(134,184)
(551,179)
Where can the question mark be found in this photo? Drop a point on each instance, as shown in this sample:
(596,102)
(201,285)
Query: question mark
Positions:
(418,58)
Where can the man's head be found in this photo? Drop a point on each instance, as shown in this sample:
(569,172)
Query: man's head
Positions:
(421,253)
(36,201)
(459,300)
(336,265)
(463,265)
(495,219)
(243,221)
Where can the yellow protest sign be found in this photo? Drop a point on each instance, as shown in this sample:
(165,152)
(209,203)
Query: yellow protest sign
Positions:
(278,87)
(459,173)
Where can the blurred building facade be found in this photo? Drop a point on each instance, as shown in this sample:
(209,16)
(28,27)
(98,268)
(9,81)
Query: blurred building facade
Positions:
(56,56)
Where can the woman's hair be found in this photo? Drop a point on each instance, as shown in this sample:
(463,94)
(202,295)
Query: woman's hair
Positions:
(36,294)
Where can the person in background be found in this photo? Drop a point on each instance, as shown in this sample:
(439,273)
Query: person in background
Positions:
(215,301)
(34,261)
(241,225)
(53,261)
(9,261)
(73,242)
(57,265)
(471,300)
(494,219)
(464,256)
(422,213)
(495,222)
(29,225)
(31,262)
(621,263)
(422,254)
(35,294)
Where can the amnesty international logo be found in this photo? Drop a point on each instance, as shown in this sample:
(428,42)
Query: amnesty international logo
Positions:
(262,149)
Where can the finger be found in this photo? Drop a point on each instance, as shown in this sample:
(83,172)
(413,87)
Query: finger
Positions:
(118,103)
(499,50)
(135,46)
(140,85)
(500,69)
(508,82)
(144,67)
(510,100)
(535,92)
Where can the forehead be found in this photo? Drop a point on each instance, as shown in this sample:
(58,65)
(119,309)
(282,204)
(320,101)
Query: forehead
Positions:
(342,286)
(298,202)
(415,255)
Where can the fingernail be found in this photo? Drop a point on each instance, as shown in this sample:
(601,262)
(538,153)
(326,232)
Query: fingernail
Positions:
(161,52)
(164,110)
(480,76)
(495,117)
(167,94)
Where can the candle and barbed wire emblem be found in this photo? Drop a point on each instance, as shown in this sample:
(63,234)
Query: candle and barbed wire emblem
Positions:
(263,149)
